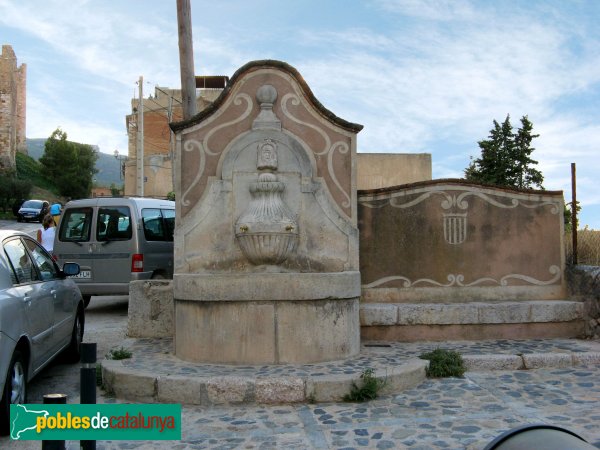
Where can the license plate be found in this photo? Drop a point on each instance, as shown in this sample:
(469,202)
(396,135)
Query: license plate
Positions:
(83,274)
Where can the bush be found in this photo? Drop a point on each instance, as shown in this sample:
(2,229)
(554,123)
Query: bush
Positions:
(444,363)
(369,389)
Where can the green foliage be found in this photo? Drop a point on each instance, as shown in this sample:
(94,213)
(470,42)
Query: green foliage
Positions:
(569,216)
(118,354)
(30,170)
(369,390)
(444,363)
(506,157)
(114,190)
(69,164)
(12,189)
(99,375)
(171,196)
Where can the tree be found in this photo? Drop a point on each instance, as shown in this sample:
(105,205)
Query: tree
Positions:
(506,157)
(69,165)
(12,189)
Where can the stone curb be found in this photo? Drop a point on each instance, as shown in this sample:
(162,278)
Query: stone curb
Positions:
(131,384)
(137,385)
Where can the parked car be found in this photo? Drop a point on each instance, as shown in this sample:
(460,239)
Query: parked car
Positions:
(33,210)
(116,241)
(41,315)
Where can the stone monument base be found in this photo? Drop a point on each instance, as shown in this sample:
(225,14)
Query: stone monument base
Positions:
(267,318)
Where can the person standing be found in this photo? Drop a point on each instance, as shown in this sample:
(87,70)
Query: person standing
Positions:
(55,211)
(45,235)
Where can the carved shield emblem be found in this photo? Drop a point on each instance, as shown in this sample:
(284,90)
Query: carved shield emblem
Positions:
(455,228)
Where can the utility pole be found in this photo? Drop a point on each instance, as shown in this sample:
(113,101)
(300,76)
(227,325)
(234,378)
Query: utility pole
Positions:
(186,58)
(140,140)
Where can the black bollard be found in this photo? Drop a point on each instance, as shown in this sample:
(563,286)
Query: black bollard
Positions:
(87,380)
(54,399)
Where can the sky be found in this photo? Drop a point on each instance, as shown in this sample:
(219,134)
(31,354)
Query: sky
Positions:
(422,76)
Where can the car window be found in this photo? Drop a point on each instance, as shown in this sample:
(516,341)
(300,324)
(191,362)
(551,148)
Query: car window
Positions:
(75,225)
(42,260)
(113,223)
(35,204)
(158,224)
(23,269)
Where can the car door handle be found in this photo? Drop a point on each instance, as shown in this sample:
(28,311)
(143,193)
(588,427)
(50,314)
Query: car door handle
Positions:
(26,298)
(53,292)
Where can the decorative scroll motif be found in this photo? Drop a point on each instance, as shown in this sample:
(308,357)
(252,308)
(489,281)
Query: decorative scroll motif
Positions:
(458,280)
(329,148)
(458,200)
(203,148)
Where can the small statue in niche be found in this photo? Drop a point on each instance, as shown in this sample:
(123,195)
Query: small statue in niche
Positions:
(267,156)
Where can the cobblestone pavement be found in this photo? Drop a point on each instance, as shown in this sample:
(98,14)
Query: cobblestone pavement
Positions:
(453,413)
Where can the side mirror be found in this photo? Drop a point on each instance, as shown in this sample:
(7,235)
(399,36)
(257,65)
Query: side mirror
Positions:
(70,269)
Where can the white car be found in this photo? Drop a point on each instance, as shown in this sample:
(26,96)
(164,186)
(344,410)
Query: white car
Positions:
(41,315)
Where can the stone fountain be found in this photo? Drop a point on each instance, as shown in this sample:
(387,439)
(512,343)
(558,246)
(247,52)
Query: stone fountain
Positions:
(266,243)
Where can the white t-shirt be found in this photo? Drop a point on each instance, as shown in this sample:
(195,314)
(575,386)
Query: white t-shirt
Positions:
(48,238)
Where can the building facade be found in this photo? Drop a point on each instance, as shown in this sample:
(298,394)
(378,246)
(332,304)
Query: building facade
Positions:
(12,108)
(159,109)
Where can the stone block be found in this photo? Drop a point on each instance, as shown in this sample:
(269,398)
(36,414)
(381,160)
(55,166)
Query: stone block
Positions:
(541,360)
(328,388)
(556,311)
(230,390)
(280,390)
(128,383)
(586,358)
(378,314)
(399,378)
(505,312)
(181,389)
(151,309)
(315,331)
(437,314)
(476,363)
(225,332)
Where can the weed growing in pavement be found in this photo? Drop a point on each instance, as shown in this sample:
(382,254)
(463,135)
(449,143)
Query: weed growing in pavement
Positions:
(117,354)
(444,363)
(369,390)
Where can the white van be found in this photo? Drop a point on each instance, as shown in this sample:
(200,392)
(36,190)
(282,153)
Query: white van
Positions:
(115,241)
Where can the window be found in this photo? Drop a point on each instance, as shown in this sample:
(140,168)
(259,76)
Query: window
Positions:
(42,260)
(75,225)
(159,224)
(113,224)
(23,268)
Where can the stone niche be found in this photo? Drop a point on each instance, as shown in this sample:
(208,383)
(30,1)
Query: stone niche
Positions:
(266,242)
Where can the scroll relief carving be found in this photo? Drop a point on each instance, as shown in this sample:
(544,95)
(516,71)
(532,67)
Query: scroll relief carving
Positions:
(203,148)
(329,148)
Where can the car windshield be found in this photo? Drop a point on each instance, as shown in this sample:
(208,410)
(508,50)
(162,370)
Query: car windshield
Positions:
(35,204)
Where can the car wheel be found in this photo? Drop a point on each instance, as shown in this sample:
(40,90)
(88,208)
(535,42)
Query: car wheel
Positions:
(73,351)
(15,389)
(86,300)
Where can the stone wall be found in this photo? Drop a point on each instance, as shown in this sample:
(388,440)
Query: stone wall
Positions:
(584,285)
(380,170)
(12,107)
(447,240)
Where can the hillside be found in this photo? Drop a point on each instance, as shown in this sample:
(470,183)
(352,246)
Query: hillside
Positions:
(106,165)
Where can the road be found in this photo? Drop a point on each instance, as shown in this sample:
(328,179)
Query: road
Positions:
(105,324)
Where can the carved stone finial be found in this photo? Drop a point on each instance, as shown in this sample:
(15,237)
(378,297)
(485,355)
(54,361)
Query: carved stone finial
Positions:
(266,119)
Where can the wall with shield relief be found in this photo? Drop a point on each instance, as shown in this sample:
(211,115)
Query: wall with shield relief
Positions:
(452,241)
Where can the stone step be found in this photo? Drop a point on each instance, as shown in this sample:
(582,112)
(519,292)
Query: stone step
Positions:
(473,320)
